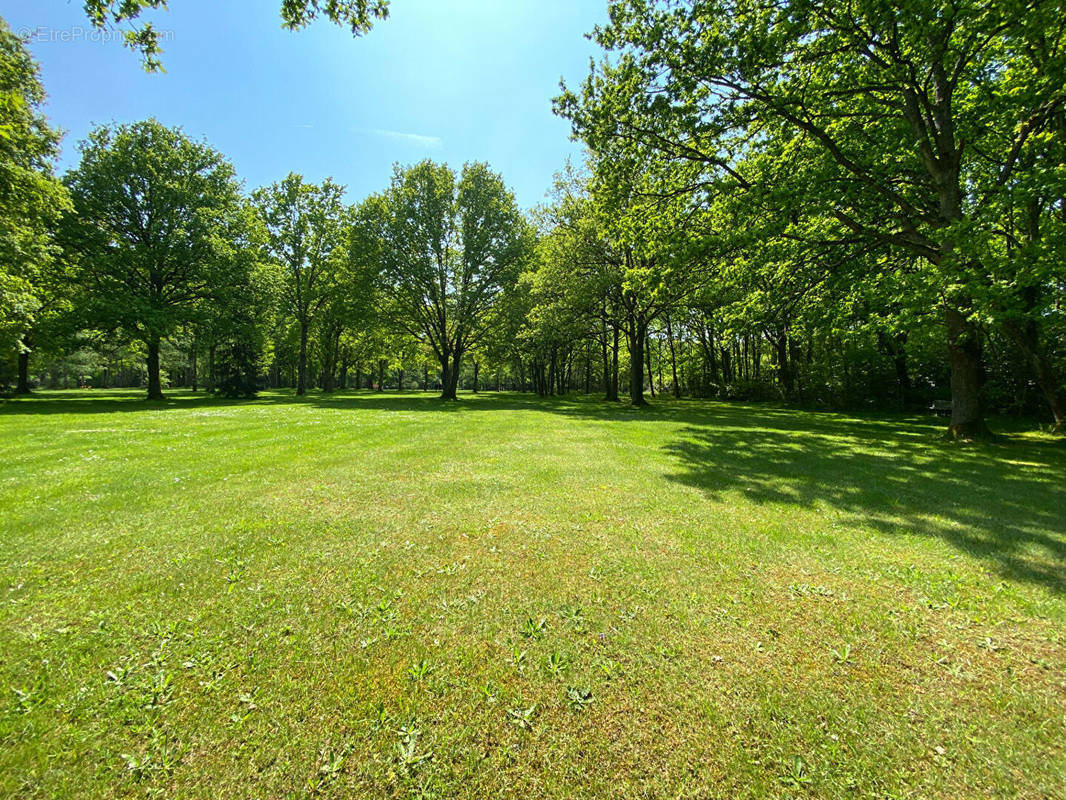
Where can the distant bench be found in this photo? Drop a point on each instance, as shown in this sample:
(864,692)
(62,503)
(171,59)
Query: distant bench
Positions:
(941,407)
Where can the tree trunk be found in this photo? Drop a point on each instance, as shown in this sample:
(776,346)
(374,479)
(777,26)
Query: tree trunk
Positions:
(155,390)
(446,386)
(967,377)
(450,377)
(638,332)
(613,391)
(606,367)
(784,369)
(301,366)
(425,378)
(896,347)
(23,386)
(647,359)
(1026,338)
(381,374)
(192,359)
(477,369)
(673,356)
(588,368)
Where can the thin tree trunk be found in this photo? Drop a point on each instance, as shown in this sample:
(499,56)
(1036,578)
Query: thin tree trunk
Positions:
(301,368)
(637,333)
(155,389)
(1025,337)
(192,358)
(647,359)
(606,367)
(588,368)
(613,394)
(673,356)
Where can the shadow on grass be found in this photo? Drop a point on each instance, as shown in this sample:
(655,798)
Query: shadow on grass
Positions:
(1004,503)
(107,401)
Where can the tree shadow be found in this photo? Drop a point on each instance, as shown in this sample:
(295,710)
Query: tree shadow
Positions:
(107,401)
(1004,502)
(133,401)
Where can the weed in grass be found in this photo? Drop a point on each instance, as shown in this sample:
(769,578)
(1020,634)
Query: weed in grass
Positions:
(158,759)
(841,656)
(522,717)
(534,628)
(557,664)
(409,755)
(518,657)
(578,699)
(575,616)
(797,776)
(357,540)
(420,670)
(609,669)
(667,652)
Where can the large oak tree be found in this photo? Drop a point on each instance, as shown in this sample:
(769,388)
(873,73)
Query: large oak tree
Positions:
(156,217)
(920,115)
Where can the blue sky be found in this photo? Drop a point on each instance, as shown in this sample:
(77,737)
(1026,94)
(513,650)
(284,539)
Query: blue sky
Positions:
(451,80)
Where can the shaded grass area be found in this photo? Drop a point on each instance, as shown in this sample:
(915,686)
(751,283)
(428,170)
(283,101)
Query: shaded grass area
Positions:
(381,595)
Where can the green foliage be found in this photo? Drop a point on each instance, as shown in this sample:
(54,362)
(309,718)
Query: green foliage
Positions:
(158,232)
(445,249)
(31,199)
(306,239)
(914,129)
(357,15)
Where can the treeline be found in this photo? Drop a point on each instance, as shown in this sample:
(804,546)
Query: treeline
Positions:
(860,208)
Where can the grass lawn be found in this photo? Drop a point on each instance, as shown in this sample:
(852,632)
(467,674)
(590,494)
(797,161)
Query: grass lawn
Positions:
(367,595)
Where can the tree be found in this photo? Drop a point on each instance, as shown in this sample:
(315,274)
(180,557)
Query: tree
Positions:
(31,202)
(358,15)
(237,320)
(575,289)
(306,229)
(916,116)
(155,216)
(446,250)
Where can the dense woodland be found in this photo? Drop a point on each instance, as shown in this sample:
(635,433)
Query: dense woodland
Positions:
(857,206)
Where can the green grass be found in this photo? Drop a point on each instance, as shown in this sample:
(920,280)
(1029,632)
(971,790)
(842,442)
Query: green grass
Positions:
(367,595)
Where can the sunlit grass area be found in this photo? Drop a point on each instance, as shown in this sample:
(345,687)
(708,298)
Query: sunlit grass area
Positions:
(380,595)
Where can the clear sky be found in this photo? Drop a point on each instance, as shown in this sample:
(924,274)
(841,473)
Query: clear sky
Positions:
(451,80)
